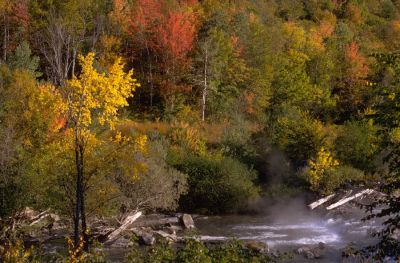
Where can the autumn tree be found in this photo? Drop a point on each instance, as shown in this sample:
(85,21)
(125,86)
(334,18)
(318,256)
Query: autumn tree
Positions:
(14,23)
(351,86)
(93,98)
(28,114)
(162,34)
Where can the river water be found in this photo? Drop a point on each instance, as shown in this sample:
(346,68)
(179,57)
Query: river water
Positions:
(284,230)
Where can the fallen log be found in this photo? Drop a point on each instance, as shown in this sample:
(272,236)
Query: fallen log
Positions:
(128,221)
(321,201)
(348,199)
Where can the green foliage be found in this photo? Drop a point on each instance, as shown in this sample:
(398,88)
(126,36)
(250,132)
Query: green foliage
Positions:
(24,130)
(159,186)
(193,251)
(216,184)
(357,144)
(297,134)
(335,178)
(197,252)
(14,251)
(22,59)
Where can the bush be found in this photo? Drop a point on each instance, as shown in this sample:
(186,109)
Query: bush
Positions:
(216,185)
(159,186)
(195,251)
(340,177)
(297,134)
(324,173)
(356,144)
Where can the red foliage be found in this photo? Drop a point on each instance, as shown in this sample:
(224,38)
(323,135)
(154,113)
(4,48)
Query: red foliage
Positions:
(20,13)
(175,36)
(357,64)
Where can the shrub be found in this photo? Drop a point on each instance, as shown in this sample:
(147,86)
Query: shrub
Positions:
(324,174)
(356,144)
(14,251)
(187,137)
(216,185)
(297,134)
(195,251)
(159,186)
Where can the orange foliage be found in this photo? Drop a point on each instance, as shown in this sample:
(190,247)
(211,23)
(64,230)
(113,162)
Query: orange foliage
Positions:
(249,99)
(353,13)
(358,68)
(175,35)
(324,30)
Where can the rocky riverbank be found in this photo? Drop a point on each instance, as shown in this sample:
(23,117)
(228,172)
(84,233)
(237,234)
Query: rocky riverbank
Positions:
(308,241)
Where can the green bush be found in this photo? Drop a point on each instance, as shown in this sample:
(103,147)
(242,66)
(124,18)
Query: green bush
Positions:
(195,251)
(356,144)
(297,134)
(335,178)
(216,184)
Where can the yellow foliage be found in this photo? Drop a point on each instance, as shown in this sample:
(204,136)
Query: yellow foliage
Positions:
(189,137)
(395,135)
(320,167)
(15,252)
(95,96)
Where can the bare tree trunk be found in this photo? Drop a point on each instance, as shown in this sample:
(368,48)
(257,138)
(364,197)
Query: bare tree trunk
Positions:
(78,192)
(73,61)
(5,37)
(205,88)
(82,199)
(150,76)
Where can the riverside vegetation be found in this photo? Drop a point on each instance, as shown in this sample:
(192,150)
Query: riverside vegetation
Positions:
(218,89)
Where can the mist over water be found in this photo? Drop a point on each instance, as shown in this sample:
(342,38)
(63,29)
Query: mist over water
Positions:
(290,223)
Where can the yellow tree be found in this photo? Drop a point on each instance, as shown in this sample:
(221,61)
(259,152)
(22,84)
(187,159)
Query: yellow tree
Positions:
(93,99)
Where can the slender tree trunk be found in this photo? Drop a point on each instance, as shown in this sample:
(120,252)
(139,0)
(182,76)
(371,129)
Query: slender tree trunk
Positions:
(82,200)
(150,76)
(5,38)
(205,88)
(78,192)
(73,61)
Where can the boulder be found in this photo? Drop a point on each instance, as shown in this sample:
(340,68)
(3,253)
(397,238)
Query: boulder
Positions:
(257,246)
(303,250)
(146,239)
(396,234)
(311,252)
(308,254)
(321,245)
(169,237)
(187,221)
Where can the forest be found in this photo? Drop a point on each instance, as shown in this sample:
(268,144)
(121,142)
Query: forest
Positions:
(209,107)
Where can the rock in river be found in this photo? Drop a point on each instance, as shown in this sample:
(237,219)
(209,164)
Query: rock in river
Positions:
(257,246)
(187,221)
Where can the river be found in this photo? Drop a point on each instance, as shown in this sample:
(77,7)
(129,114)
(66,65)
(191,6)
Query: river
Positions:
(286,229)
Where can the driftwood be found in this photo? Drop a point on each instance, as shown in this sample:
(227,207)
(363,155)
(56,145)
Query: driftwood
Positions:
(348,199)
(128,221)
(321,201)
